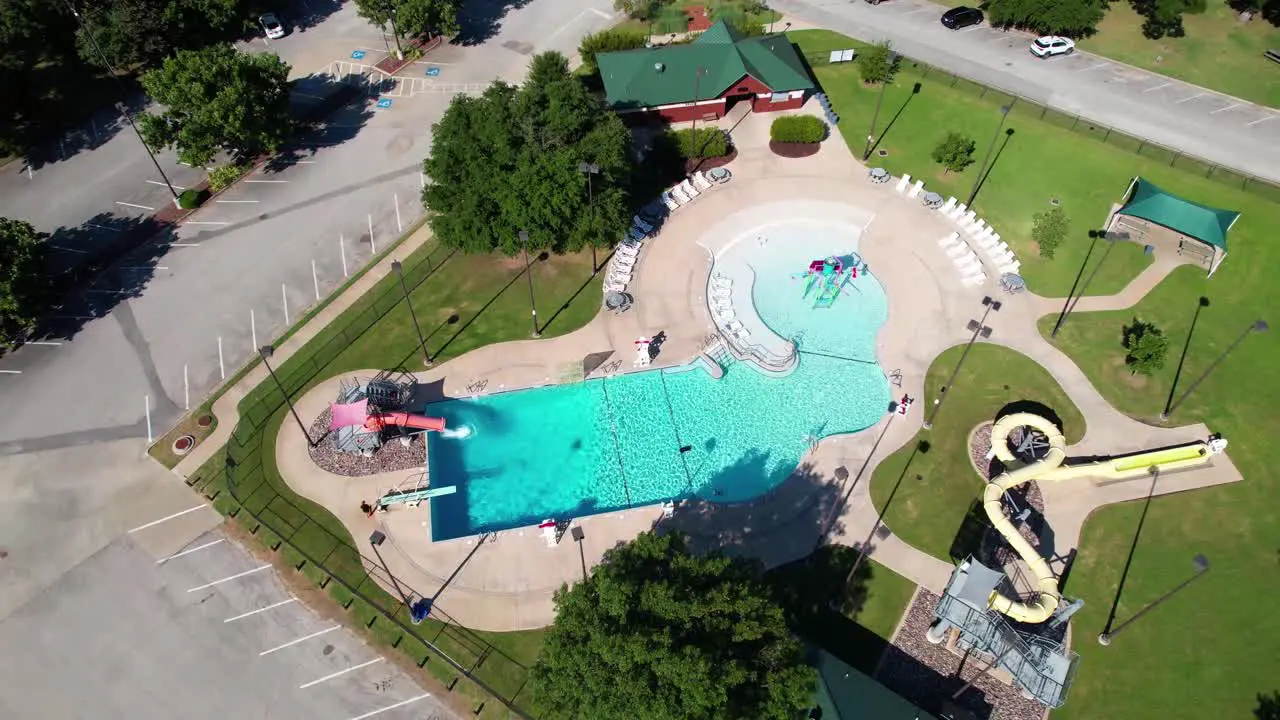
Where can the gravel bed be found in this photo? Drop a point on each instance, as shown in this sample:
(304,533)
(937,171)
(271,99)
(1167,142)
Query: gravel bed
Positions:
(979,446)
(925,674)
(391,457)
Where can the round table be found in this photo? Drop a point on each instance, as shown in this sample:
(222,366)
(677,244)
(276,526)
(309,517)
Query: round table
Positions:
(878,175)
(932,200)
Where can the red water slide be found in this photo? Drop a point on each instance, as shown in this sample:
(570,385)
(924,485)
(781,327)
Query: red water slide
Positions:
(402,419)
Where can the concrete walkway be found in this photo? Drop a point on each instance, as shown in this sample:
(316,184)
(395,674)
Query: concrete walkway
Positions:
(508,583)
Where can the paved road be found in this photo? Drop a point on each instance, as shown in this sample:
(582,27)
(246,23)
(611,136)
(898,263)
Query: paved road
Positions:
(207,633)
(1184,117)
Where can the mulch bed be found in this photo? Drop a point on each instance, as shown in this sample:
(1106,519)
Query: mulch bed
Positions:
(925,673)
(693,165)
(391,457)
(391,64)
(794,150)
(698,20)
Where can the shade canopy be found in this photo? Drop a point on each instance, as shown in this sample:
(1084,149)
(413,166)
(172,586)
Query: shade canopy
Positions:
(1207,224)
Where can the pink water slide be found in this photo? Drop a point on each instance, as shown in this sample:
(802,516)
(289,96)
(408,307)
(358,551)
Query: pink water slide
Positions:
(402,419)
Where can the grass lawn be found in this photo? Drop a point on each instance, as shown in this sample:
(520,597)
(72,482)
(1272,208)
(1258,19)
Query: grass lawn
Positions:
(937,485)
(1212,652)
(1218,52)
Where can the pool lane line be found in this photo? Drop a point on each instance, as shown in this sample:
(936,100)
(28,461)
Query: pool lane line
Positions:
(666,394)
(617,446)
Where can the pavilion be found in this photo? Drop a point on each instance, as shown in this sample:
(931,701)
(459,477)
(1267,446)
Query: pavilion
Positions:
(1201,231)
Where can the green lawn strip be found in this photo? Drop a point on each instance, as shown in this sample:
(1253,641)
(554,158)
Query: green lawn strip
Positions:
(936,487)
(1212,651)
(1218,51)
(1041,161)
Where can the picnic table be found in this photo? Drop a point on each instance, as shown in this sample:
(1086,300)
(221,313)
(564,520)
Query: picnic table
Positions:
(878,175)
(932,200)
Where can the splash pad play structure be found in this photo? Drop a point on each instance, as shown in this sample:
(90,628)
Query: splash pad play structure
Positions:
(825,279)
(983,605)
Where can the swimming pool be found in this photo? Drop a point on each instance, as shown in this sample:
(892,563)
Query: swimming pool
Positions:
(566,451)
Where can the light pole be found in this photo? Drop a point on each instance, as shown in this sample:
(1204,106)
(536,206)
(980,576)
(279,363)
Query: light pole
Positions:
(591,169)
(1201,564)
(265,352)
(399,271)
(528,273)
(693,134)
(1004,113)
(1070,306)
(1257,326)
(93,41)
(376,538)
(871,132)
(978,327)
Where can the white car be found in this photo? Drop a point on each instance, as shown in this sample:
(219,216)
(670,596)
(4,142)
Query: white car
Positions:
(1047,46)
(273,26)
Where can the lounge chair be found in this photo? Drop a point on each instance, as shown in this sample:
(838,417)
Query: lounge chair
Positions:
(701,181)
(636,234)
(957,251)
(625,260)
(611,286)
(972,280)
(688,188)
(670,201)
(721,293)
(967,262)
(734,326)
(726,313)
(628,250)
(679,194)
(642,224)
(949,240)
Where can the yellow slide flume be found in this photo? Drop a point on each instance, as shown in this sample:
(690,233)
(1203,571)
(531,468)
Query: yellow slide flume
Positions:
(1050,468)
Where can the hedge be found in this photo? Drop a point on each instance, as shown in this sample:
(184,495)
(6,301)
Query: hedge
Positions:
(798,129)
(608,41)
(707,142)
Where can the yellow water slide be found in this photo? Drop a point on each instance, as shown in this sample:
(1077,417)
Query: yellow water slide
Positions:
(1051,468)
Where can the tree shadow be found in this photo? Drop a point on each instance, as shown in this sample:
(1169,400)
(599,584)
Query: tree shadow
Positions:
(336,114)
(303,15)
(480,20)
(90,134)
(1268,706)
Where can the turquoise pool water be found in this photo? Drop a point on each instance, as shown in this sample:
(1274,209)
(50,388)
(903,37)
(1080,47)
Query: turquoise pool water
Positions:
(566,451)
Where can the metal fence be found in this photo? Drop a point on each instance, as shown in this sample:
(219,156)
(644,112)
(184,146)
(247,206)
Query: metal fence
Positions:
(322,548)
(1029,108)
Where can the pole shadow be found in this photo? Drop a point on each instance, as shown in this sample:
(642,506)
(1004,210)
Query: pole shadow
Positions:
(915,90)
(1133,547)
(1201,304)
(1008,134)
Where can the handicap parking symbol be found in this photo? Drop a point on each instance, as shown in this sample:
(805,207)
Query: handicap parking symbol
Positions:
(433,71)
(384,103)
(357,54)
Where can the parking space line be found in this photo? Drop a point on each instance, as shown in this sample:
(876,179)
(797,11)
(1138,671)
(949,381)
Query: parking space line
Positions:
(10,372)
(402,703)
(166,518)
(1190,97)
(272,606)
(204,222)
(143,267)
(229,578)
(144,207)
(183,244)
(162,561)
(70,250)
(50,343)
(266,181)
(157,182)
(340,673)
(291,643)
(1261,120)
(1157,87)
(1093,67)
(235,201)
(102,227)
(1224,109)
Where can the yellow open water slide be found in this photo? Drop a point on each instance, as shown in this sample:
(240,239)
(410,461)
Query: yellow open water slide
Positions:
(1052,468)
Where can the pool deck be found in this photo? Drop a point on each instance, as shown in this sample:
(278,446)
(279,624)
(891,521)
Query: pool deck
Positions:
(508,584)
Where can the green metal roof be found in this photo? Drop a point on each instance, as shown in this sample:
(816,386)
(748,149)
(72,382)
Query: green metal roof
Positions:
(844,693)
(1206,224)
(669,74)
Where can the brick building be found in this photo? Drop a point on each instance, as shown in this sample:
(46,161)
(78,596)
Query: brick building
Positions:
(703,79)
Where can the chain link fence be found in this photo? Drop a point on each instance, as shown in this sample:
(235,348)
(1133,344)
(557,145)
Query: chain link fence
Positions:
(315,541)
(1025,107)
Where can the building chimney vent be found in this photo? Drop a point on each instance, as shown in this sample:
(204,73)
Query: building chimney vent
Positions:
(659,67)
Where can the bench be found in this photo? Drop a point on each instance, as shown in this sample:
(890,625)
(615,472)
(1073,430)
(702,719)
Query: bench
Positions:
(1272,55)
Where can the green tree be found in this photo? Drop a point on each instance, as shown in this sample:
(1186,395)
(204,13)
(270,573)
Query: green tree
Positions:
(1163,18)
(22,280)
(408,18)
(508,161)
(1049,229)
(877,63)
(1073,18)
(954,152)
(142,32)
(1145,347)
(645,10)
(605,41)
(218,99)
(658,632)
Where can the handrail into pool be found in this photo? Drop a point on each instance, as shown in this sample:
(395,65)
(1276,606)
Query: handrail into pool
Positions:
(766,359)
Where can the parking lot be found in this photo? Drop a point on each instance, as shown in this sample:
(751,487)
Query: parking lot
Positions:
(207,631)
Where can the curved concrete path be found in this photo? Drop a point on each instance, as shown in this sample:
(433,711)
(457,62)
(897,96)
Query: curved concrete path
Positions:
(508,583)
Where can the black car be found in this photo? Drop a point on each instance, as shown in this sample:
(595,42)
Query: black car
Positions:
(961,17)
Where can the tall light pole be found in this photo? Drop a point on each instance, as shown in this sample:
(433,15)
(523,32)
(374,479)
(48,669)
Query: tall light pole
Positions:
(93,41)
(1004,113)
(1201,564)
(591,169)
(871,132)
(399,271)
(1257,326)
(265,352)
(978,327)
(376,538)
(528,273)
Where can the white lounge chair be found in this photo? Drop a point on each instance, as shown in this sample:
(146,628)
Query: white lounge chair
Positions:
(1010,267)
(679,194)
(956,251)
(670,201)
(967,263)
(619,276)
(611,286)
(973,280)
(725,283)
(628,251)
(701,181)
(688,188)
(949,240)
(627,260)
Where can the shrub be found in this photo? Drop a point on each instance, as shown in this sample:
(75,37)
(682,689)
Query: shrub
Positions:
(702,143)
(224,176)
(1145,347)
(877,64)
(955,152)
(640,9)
(192,199)
(608,41)
(1049,229)
(798,129)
